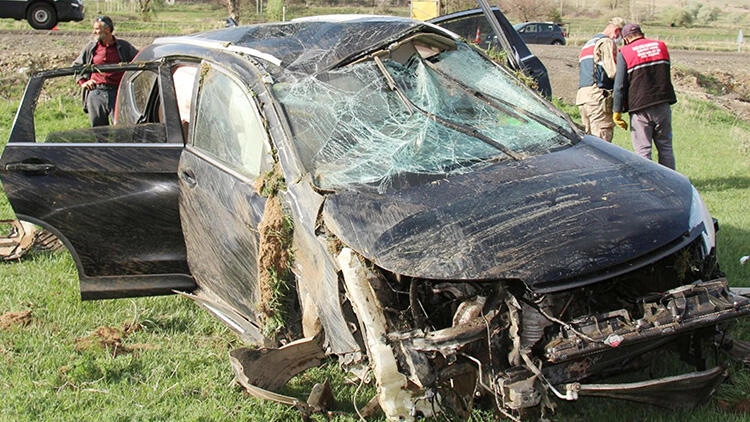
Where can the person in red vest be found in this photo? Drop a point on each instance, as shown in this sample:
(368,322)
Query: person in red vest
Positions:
(100,88)
(597,67)
(643,88)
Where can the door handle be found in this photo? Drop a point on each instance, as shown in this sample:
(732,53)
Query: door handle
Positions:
(188,177)
(41,168)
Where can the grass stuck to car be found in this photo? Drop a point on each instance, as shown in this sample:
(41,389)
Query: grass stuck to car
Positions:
(455,239)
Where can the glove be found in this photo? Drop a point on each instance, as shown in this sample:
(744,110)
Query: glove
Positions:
(617,117)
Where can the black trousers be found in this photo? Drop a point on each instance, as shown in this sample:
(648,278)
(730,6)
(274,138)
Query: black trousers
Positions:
(100,103)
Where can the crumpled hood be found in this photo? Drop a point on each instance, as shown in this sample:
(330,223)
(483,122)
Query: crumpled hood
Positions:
(555,217)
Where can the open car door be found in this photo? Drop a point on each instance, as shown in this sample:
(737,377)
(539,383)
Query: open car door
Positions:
(109,193)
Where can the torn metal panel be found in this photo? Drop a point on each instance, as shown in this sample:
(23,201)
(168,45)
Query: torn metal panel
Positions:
(249,331)
(317,275)
(393,394)
(271,369)
(263,372)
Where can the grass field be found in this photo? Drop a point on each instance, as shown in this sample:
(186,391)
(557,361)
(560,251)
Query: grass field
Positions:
(165,359)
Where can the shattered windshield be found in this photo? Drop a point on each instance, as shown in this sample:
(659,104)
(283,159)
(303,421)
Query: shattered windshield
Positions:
(420,108)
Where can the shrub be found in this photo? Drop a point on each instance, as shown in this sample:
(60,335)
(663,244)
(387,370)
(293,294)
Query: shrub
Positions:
(707,15)
(678,17)
(274,10)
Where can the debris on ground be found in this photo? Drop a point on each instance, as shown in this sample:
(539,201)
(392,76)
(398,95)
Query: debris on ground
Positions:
(10,319)
(22,237)
(112,339)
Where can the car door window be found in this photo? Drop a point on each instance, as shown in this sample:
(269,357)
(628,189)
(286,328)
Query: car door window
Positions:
(184,82)
(142,86)
(228,125)
(474,29)
(59,118)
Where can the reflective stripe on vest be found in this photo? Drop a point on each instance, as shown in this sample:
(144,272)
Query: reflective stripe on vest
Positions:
(589,71)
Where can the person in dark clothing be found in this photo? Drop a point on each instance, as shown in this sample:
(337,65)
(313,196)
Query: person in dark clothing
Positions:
(643,88)
(100,88)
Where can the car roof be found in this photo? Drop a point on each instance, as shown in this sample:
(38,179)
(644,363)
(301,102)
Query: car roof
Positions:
(308,44)
(463,13)
(526,23)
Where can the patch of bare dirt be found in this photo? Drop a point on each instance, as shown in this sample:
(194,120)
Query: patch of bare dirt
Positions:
(721,77)
(112,339)
(10,319)
(22,52)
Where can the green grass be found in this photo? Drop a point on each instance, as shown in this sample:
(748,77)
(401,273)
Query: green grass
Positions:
(177,365)
(712,150)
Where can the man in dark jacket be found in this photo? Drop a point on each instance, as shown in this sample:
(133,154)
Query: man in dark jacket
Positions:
(643,88)
(100,88)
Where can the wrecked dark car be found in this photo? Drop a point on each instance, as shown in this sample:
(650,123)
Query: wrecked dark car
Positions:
(376,190)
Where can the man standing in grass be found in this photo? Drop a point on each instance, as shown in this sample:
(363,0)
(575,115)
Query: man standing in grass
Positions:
(100,88)
(643,88)
(596,64)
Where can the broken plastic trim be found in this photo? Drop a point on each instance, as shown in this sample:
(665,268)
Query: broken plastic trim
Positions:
(19,240)
(677,311)
(262,372)
(675,392)
(397,401)
(23,236)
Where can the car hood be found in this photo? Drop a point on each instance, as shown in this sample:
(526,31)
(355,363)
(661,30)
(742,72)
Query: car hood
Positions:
(551,221)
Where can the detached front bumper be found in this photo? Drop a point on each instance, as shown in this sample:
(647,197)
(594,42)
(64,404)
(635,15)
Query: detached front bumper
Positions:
(594,346)
(677,311)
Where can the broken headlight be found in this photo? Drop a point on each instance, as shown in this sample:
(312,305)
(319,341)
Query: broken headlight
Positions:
(699,214)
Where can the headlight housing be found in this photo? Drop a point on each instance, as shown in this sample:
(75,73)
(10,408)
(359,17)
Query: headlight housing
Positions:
(699,214)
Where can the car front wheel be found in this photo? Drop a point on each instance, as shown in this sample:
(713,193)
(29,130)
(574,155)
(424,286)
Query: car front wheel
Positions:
(41,16)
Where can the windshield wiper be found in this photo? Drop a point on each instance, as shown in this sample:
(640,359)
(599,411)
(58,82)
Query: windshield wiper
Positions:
(465,129)
(510,108)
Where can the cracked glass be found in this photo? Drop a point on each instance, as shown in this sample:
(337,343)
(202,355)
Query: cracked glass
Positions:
(421,107)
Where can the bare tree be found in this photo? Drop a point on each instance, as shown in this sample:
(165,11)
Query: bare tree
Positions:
(233,8)
(450,6)
(144,7)
(528,10)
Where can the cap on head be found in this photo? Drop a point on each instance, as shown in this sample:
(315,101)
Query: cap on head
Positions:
(631,29)
(106,20)
(617,21)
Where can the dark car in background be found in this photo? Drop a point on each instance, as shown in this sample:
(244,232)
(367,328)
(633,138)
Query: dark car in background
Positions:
(43,14)
(541,33)
(473,26)
(376,190)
